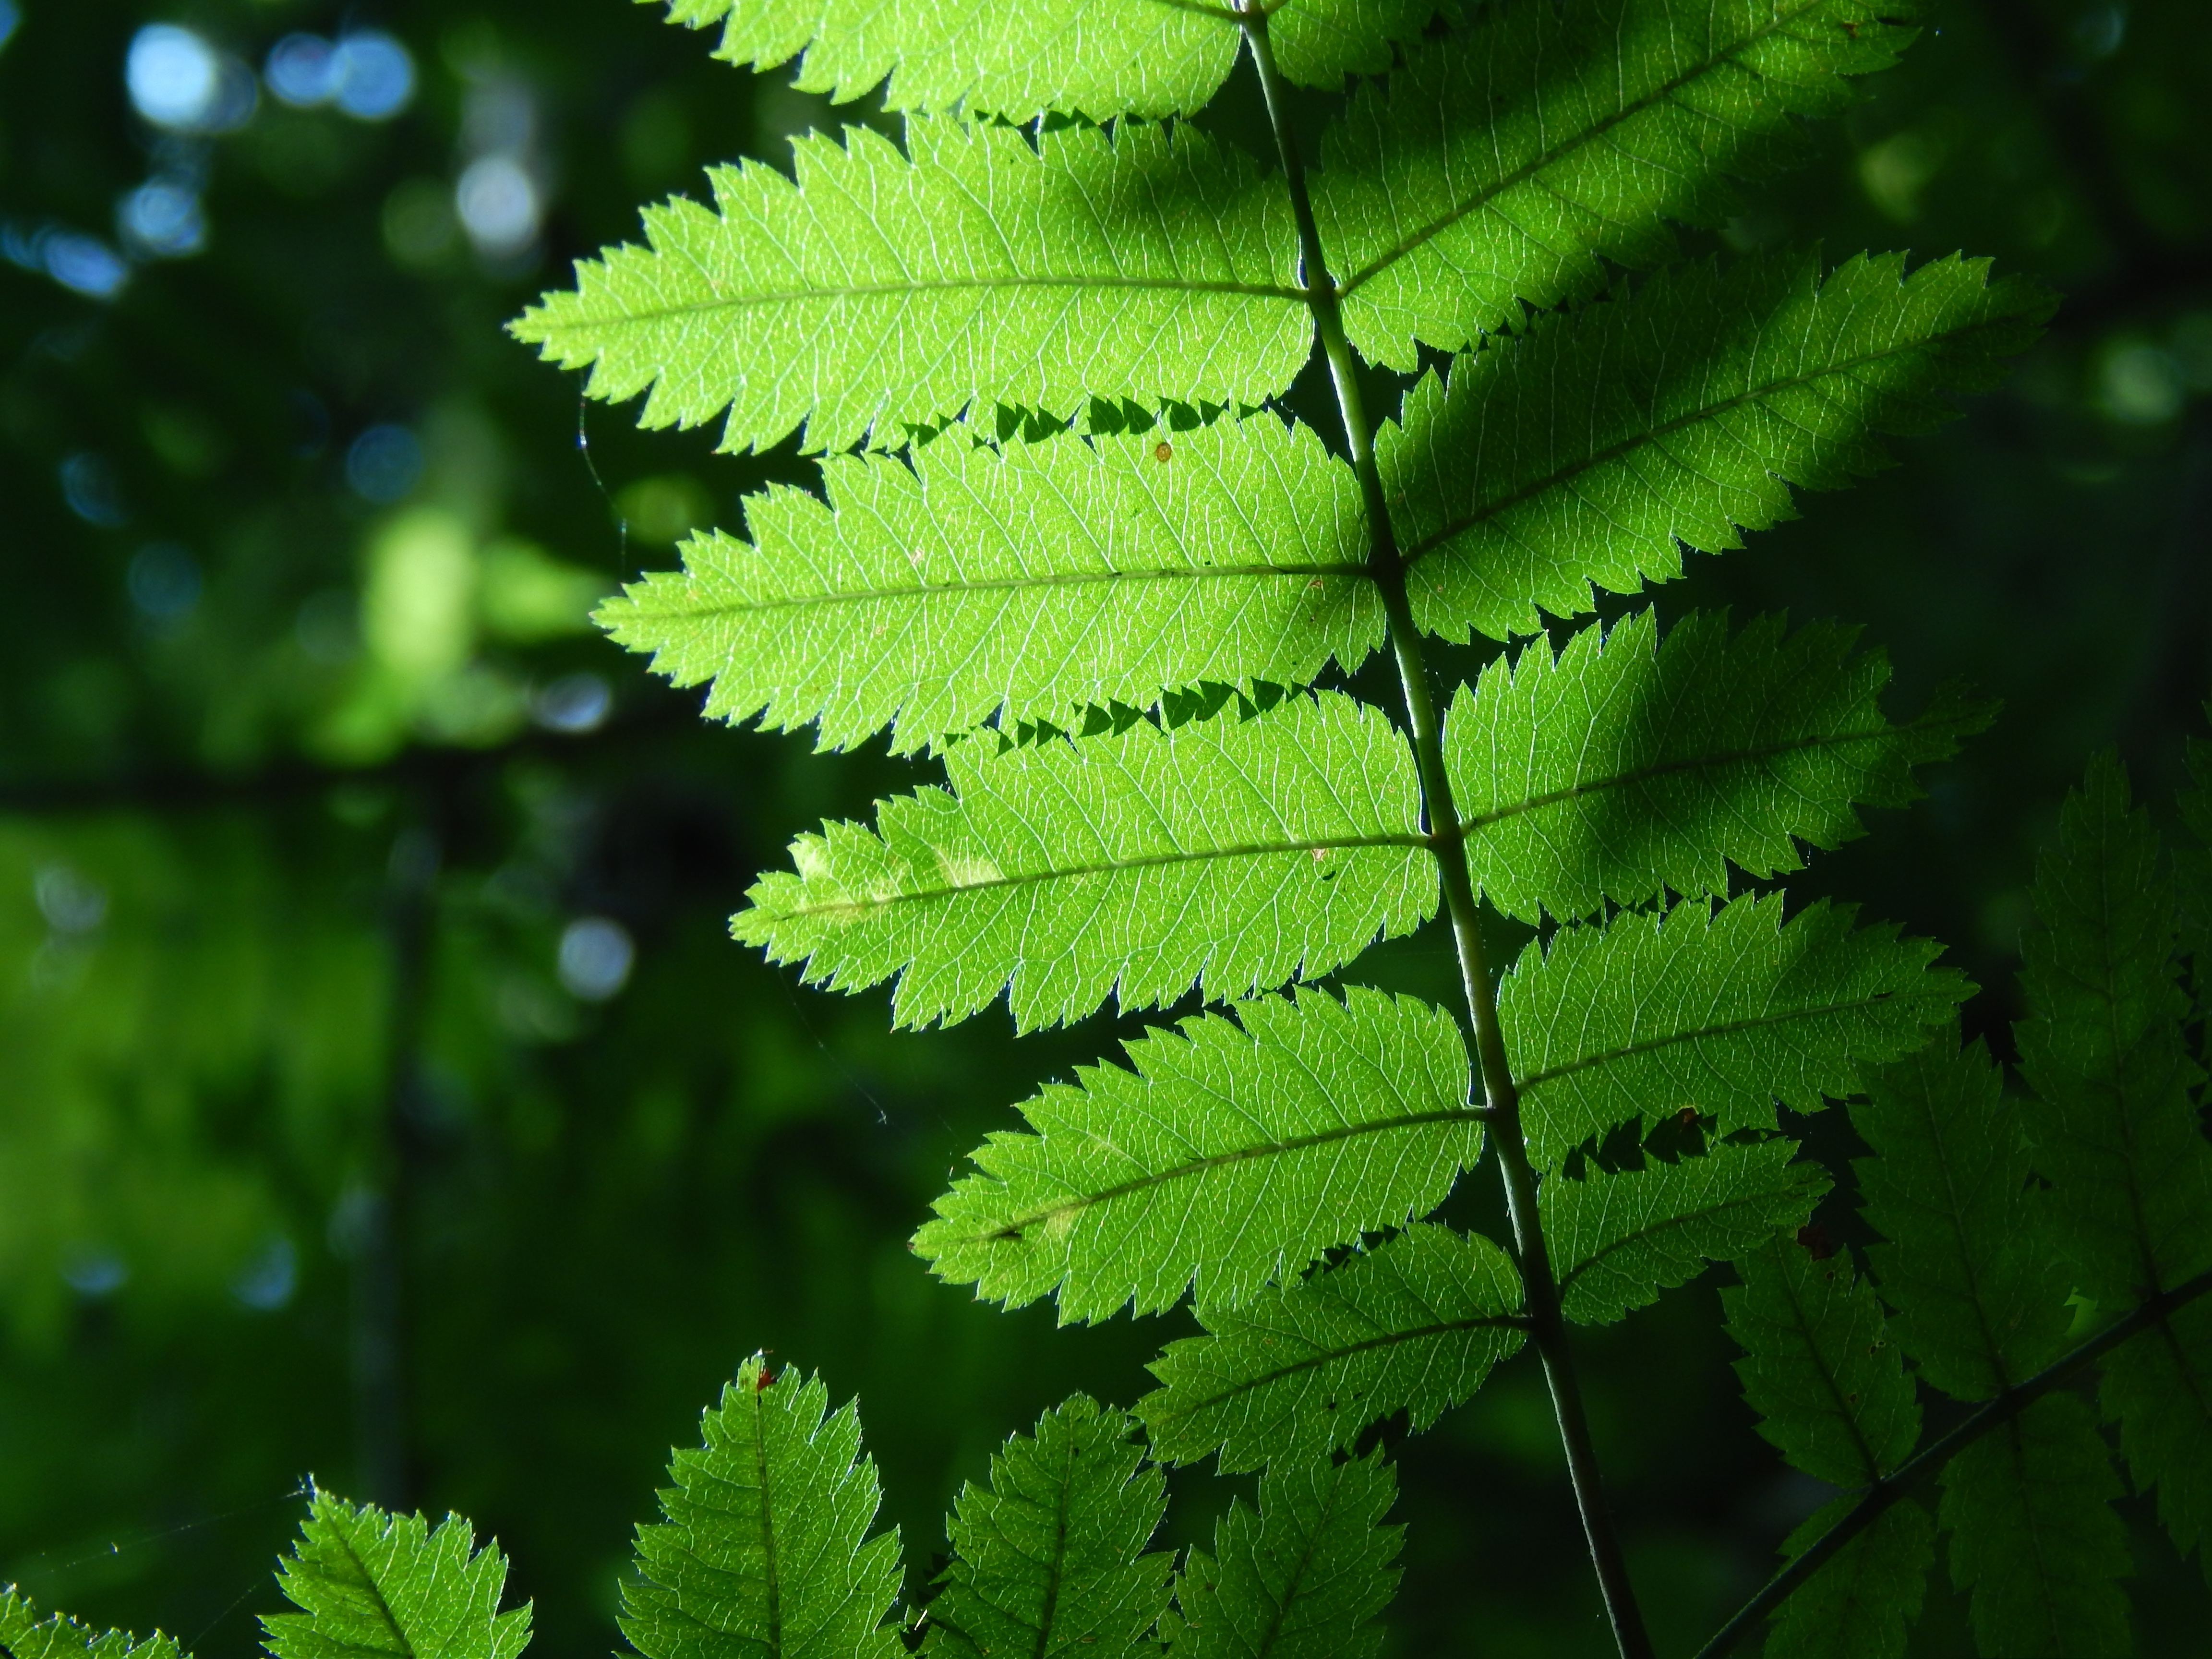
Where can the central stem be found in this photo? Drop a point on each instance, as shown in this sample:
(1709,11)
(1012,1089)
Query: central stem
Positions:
(1547,1328)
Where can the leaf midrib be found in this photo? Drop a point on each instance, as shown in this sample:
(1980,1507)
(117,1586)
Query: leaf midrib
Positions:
(1652,1230)
(1001,584)
(376,1591)
(850,906)
(1434,540)
(1717,758)
(1528,170)
(1630,1051)
(1011,1232)
(580,318)
(858,906)
(1326,1356)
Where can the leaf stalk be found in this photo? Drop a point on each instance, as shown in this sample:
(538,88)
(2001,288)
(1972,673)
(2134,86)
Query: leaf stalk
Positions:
(1547,1327)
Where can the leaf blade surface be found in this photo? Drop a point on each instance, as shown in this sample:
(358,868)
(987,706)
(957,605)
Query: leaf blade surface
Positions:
(1104,58)
(369,1582)
(1234,853)
(1589,451)
(1723,1013)
(1305,1577)
(1414,1324)
(1818,1367)
(879,290)
(762,1552)
(1235,1154)
(1497,167)
(1057,575)
(1618,1240)
(1048,1559)
(2028,1509)
(1629,765)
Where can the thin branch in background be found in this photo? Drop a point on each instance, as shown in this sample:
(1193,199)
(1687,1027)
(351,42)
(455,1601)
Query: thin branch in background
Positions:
(387,1233)
(1891,1487)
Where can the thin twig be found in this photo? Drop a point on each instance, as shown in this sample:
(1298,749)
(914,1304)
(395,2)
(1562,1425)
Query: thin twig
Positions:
(1891,1487)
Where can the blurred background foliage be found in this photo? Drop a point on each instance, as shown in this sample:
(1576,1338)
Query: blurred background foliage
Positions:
(379,1094)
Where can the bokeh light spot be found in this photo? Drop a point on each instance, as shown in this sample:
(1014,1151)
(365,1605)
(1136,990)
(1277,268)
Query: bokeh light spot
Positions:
(95,1273)
(82,264)
(375,76)
(385,464)
(596,958)
(88,486)
(164,582)
(177,80)
(574,704)
(266,1282)
(162,219)
(301,71)
(2139,385)
(72,904)
(499,205)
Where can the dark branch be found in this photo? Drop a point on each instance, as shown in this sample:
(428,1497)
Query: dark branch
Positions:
(1891,1487)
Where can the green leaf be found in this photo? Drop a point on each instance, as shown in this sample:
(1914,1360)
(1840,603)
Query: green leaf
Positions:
(1618,1240)
(1305,1577)
(1049,1559)
(2028,1509)
(369,1582)
(1719,1012)
(1058,575)
(1235,854)
(2129,1169)
(1819,1366)
(878,290)
(1974,1301)
(1233,1154)
(1102,57)
(1862,1604)
(763,1553)
(1627,765)
(58,1636)
(1413,1325)
(1590,452)
(1499,167)
(2158,1388)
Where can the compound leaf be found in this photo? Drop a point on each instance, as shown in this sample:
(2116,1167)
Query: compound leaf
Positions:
(1947,1187)
(1722,1012)
(1235,854)
(1862,1603)
(1104,58)
(1233,1154)
(763,1553)
(2028,1509)
(1819,1366)
(1414,1324)
(2129,1169)
(879,290)
(58,1636)
(1049,1560)
(1627,765)
(1618,1240)
(1305,1577)
(1494,168)
(1058,575)
(369,1582)
(1590,452)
